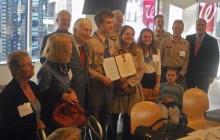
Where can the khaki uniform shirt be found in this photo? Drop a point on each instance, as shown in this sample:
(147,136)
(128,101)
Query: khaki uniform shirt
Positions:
(175,54)
(158,38)
(96,54)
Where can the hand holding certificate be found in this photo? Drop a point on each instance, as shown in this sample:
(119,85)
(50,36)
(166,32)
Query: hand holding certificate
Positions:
(119,66)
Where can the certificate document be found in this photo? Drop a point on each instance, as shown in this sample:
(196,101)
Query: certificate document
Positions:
(111,69)
(119,66)
(125,65)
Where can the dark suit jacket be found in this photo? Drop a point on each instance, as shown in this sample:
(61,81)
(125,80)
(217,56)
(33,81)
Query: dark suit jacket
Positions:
(12,126)
(80,78)
(42,59)
(206,62)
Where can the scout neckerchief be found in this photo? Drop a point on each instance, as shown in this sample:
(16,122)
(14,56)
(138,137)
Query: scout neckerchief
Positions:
(149,58)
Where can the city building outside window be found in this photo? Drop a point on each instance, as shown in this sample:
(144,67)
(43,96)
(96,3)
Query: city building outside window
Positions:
(19,31)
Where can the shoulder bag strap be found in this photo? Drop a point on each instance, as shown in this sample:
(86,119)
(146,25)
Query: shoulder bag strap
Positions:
(159,120)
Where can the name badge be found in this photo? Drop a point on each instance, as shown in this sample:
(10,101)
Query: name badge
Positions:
(25,109)
(155,58)
(182,53)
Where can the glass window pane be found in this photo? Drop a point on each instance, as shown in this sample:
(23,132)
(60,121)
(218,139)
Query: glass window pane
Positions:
(13,27)
(134,15)
(37,26)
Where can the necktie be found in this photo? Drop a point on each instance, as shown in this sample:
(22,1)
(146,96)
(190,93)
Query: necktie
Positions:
(107,49)
(82,56)
(197,45)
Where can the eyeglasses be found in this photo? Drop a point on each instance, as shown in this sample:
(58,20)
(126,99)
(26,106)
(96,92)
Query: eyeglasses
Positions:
(27,64)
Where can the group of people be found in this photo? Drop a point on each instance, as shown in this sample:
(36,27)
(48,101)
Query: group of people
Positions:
(72,71)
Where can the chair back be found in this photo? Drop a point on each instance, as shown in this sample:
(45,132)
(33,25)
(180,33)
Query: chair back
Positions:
(145,113)
(195,104)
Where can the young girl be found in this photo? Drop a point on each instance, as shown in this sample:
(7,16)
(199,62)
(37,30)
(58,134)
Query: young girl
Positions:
(171,96)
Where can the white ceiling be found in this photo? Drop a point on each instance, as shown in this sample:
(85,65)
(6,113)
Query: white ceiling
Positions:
(181,3)
(186,3)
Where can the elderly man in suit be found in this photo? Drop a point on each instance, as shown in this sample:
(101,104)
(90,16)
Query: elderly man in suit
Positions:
(82,30)
(203,59)
(63,22)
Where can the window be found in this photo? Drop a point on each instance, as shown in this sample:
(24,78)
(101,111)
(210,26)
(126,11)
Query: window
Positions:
(20,31)
(13,27)
(134,15)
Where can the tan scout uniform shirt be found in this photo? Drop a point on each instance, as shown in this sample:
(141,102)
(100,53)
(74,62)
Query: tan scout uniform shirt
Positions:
(96,55)
(175,54)
(158,38)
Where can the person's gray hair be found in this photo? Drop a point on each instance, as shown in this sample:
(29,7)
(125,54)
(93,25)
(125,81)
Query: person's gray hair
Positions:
(14,58)
(59,14)
(80,22)
(117,11)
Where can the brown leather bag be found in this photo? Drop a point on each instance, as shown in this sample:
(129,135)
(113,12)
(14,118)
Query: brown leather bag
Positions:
(150,94)
(66,114)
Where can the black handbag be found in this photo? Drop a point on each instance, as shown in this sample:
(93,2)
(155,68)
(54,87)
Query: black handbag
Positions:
(182,126)
(147,133)
(183,119)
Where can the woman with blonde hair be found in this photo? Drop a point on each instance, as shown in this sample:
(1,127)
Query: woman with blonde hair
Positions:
(53,79)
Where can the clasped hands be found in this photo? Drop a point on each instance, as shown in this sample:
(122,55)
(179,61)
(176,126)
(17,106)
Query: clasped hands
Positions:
(125,86)
(167,100)
(70,97)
